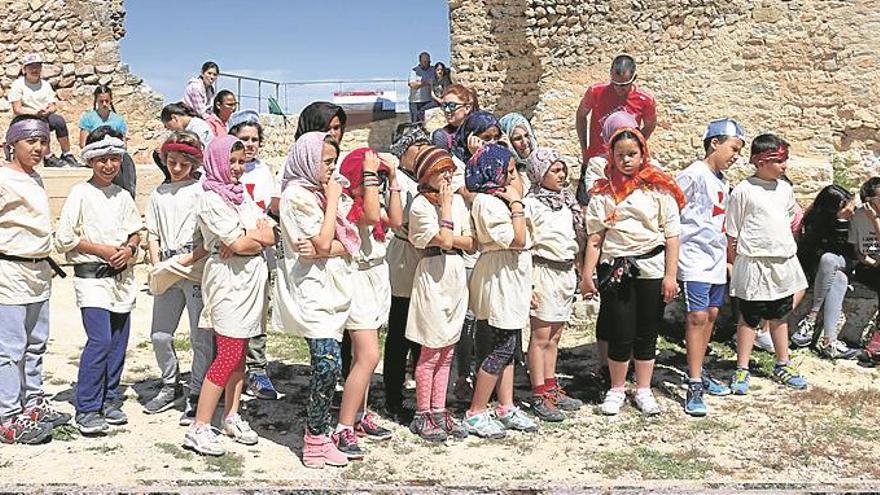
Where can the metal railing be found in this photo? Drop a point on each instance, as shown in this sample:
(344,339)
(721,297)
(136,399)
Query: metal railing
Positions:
(254,92)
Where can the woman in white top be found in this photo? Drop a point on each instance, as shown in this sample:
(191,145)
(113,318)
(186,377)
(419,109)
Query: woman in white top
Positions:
(559,236)
(501,284)
(313,287)
(235,232)
(633,227)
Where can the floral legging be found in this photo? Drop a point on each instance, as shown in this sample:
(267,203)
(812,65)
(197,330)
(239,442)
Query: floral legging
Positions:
(326,365)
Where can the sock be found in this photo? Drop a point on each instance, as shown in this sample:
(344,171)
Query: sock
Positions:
(644,391)
(782,363)
(471,414)
(438,411)
(550,383)
(341,427)
(540,389)
(695,380)
(621,390)
(503,409)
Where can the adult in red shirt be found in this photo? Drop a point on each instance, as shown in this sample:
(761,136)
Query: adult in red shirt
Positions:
(603,99)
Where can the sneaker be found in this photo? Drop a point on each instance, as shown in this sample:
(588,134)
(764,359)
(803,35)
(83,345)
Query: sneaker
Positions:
(42,412)
(803,336)
(164,400)
(483,426)
(203,440)
(713,386)
(788,375)
(425,427)
(544,407)
(614,400)
(239,430)
(449,425)
(90,423)
(764,342)
(739,383)
(320,451)
(70,160)
(463,389)
(646,403)
(694,404)
(260,386)
(367,427)
(189,411)
(24,430)
(564,401)
(347,443)
(516,419)
(113,414)
(52,162)
(836,350)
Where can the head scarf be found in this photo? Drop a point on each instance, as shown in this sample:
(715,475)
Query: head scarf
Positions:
(352,168)
(539,163)
(778,154)
(486,171)
(476,123)
(241,117)
(24,129)
(218,175)
(510,122)
(407,135)
(107,146)
(620,186)
(304,161)
(615,121)
(317,116)
(432,161)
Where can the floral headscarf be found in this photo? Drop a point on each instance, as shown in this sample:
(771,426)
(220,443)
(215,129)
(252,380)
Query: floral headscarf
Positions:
(476,123)
(539,163)
(486,171)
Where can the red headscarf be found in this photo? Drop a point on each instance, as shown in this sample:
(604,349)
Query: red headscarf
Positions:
(352,168)
(620,186)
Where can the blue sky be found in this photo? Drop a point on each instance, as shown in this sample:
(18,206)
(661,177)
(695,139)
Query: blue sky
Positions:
(294,40)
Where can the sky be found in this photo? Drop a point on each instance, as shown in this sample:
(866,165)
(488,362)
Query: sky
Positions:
(293,40)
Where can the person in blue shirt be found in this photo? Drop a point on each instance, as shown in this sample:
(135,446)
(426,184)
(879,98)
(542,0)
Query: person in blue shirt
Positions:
(102,114)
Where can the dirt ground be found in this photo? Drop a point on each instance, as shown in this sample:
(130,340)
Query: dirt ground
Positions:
(776,439)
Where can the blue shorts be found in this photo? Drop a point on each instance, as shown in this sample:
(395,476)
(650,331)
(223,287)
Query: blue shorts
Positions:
(700,296)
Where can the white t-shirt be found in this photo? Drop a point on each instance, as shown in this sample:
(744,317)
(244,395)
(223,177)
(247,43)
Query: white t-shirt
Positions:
(33,96)
(260,184)
(703,251)
(417,74)
(27,232)
(862,235)
(201,129)
(759,216)
(172,214)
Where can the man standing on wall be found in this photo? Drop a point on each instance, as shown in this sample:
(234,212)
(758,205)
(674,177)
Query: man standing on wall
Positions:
(603,99)
(421,78)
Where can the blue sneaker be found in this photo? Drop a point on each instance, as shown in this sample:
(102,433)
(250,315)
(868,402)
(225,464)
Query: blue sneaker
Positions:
(714,386)
(739,383)
(260,386)
(788,375)
(694,404)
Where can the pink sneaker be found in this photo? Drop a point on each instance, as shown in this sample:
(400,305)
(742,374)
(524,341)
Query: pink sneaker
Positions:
(319,450)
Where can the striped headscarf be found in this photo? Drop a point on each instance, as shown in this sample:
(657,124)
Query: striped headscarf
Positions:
(430,162)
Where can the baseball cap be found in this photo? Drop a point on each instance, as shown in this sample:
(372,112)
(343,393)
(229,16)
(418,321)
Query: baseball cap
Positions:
(31,58)
(724,127)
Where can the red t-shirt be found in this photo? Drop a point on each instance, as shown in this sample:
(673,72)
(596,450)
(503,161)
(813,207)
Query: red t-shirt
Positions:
(638,102)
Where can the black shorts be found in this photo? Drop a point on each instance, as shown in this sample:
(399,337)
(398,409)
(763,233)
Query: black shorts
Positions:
(753,312)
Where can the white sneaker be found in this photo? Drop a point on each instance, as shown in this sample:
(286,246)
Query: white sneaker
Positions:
(764,341)
(237,428)
(646,402)
(203,440)
(614,400)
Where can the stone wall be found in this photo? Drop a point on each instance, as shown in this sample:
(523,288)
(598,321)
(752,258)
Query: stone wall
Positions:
(79,42)
(807,69)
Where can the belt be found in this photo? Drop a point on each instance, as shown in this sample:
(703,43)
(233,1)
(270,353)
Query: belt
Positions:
(555,264)
(168,253)
(401,238)
(95,270)
(436,251)
(54,266)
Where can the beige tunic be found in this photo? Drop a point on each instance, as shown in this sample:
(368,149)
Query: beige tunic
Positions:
(641,222)
(172,214)
(501,283)
(554,240)
(371,289)
(402,257)
(440,296)
(26,229)
(105,215)
(313,296)
(233,289)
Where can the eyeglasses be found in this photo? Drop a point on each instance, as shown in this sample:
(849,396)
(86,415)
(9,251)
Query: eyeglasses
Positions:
(451,106)
(624,83)
(231,106)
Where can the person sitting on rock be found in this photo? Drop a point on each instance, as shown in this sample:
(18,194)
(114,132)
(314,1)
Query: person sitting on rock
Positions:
(31,95)
(199,93)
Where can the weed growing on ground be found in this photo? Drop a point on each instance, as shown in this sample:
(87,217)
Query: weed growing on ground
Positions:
(287,346)
(182,343)
(65,433)
(104,449)
(174,450)
(653,464)
(230,465)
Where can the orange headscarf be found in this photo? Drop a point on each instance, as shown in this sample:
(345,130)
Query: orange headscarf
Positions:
(620,186)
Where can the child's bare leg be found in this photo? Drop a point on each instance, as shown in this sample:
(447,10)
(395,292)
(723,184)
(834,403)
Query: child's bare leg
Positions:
(745,340)
(779,334)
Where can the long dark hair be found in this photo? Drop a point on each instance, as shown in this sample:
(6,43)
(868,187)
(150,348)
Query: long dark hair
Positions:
(102,89)
(180,108)
(218,100)
(317,116)
(820,216)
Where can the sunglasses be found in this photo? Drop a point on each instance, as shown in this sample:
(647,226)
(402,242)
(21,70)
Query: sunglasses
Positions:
(624,83)
(451,106)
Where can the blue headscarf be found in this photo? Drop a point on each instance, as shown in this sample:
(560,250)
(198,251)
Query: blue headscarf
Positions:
(476,123)
(486,171)
(510,122)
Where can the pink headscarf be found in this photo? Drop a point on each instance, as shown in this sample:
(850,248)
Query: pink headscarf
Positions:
(615,121)
(218,177)
(304,161)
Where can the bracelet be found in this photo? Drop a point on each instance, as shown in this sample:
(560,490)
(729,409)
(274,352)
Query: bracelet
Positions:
(133,249)
(447,224)
(523,205)
(394,189)
(370,173)
(517,214)
(371,182)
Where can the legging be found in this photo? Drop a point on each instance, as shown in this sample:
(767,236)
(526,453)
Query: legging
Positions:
(503,348)
(58,124)
(432,378)
(829,289)
(229,359)
(631,320)
(325,358)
